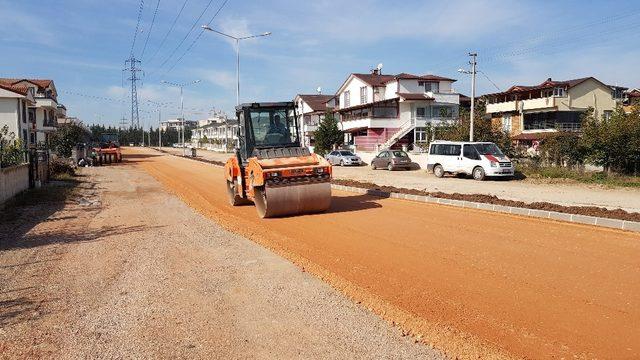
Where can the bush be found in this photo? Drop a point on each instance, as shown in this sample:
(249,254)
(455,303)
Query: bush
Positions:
(11,149)
(58,167)
(328,135)
(562,149)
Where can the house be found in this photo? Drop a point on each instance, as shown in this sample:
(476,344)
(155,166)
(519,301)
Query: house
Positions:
(15,101)
(216,135)
(384,111)
(176,124)
(43,114)
(310,110)
(632,100)
(528,112)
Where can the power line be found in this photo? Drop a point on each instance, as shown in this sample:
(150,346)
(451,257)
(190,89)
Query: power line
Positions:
(491,81)
(153,20)
(169,32)
(135,35)
(195,23)
(196,39)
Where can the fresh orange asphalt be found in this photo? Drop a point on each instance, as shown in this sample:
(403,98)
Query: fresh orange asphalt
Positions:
(473,283)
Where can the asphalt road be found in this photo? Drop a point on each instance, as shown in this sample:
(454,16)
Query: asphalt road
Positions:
(472,283)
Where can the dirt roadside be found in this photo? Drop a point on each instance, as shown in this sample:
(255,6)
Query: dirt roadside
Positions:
(125,270)
(526,191)
(474,283)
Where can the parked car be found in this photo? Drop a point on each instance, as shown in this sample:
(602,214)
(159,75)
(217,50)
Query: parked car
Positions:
(343,157)
(392,160)
(479,159)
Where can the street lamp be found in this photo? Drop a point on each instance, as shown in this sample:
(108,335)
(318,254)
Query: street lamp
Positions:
(181,86)
(237,40)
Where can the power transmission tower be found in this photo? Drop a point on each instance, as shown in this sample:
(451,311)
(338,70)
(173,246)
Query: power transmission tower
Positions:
(123,123)
(132,66)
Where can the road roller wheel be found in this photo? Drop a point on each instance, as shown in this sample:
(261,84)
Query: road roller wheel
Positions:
(234,198)
(292,200)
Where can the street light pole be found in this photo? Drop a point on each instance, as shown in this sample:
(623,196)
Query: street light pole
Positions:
(181,86)
(237,41)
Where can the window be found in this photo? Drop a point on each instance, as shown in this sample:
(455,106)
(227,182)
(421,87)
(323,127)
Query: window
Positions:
(470,152)
(445,149)
(429,86)
(421,112)
(272,127)
(442,111)
(399,153)
(24,112)
(506,123)
(33,138)
(607,114)
(383,154)
(558,92)
(421,135)
(347,98)
(363,95)
(488,149)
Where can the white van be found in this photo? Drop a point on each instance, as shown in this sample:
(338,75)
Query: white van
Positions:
(479,159)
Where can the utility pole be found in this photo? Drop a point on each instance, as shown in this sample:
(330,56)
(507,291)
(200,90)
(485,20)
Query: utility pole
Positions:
(132,66)
(181,86)
(473,72)
(473,93)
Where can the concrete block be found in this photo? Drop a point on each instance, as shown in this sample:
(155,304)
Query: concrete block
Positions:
(502,209)
(444,201)
(539,213)
(559,216)
(484,206)
(520,211)
(457,203)
(471,205)
(421,198)
(610,223)
(589,220)
(632,226)
(396,196)
(432,200)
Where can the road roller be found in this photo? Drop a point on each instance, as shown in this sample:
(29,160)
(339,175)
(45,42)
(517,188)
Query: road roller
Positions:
(271,168)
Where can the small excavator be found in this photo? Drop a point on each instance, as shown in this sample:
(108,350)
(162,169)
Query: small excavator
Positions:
(271,168)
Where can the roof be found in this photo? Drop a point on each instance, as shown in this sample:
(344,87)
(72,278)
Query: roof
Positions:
(43,83)
(375,79)
(362,106)
(634,94)
(427,77)
(21,90)
(545,85)
(316,102)
(414,96)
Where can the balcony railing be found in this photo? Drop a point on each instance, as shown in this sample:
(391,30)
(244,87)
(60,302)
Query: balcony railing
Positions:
(544,125)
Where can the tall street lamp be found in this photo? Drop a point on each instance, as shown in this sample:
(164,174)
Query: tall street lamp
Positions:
(181,86)
(237,40)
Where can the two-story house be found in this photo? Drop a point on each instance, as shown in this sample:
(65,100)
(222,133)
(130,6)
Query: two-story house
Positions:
(632,100)
(310,110)
(529,112)
(15,101)
(44,113)
(217,131)
(384,111)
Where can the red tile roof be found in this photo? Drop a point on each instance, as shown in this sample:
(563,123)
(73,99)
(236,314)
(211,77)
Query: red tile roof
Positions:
(316,102)
(42,83)
(375,79)
(634,94)
(414,96)
(22,90)
(544,85)
(422,77)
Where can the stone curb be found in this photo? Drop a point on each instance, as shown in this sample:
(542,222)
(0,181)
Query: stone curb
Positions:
(543,214)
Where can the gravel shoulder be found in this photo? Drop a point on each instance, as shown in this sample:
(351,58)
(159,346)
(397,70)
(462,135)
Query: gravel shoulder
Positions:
(123,269)
(518,190)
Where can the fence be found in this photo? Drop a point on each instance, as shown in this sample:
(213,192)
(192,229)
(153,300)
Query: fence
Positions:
(13,180)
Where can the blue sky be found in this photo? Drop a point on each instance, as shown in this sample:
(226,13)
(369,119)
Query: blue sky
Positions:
(82,45)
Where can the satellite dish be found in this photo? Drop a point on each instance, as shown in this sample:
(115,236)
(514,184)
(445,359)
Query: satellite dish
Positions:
(379,67)
(319,90)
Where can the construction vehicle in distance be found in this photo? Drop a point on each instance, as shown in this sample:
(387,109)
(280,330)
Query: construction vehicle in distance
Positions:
(107,150)
(271,168)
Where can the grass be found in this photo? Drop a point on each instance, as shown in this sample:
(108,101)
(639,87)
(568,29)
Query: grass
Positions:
(600,178)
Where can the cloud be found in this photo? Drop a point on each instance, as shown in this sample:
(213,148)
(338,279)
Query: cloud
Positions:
(24,27)
(221,78)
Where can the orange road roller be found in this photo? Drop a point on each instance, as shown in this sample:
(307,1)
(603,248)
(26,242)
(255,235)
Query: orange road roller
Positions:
(271,168)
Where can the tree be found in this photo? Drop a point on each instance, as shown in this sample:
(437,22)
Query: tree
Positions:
(66,138)
(11,149)
(562,149)
(327,135)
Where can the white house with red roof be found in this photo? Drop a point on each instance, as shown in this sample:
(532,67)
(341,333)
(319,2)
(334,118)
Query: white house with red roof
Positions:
(311,109)
(15,101)
(386,111)
(41,114)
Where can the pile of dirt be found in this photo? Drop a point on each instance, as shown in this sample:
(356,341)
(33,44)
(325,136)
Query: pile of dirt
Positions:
(619,214)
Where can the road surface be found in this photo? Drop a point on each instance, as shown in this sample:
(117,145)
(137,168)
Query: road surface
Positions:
(472,283)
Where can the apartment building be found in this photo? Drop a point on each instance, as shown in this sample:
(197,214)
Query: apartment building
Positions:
(42,114)
(218,135)
(176,124)
(14,104)
(528,112)
(388,111)
(311,109)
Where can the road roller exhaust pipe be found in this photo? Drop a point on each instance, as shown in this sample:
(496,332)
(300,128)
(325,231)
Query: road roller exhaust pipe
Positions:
(271,168)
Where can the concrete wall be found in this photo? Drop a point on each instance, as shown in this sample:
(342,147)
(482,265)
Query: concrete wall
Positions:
(353,86)
(13,180)
(9,115)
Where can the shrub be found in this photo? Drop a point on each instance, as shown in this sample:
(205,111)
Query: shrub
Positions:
(11,149)
(59,167)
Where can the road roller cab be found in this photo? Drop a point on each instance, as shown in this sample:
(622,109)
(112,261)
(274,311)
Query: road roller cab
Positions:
(271,168)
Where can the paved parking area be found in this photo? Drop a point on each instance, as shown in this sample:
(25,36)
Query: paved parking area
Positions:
(520,190)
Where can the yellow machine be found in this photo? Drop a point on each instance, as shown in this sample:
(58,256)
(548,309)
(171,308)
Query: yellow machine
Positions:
(270,166)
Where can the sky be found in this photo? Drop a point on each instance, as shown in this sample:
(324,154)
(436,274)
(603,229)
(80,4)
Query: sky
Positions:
(82,45)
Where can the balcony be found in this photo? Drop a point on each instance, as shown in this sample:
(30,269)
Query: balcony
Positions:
(524,105)
(46,102)
(444,97)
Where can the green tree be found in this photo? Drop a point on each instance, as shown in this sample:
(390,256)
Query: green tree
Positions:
(562,149)
(327,135)
(11,149)
(66,138)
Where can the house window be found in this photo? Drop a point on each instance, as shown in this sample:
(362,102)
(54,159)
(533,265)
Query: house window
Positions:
(421,112)
(24,112)
(421,135)
(607,114)
(558,92)
(33,138)
(363,95)
(347,98)
(429,86)
(442,111)
(506,123)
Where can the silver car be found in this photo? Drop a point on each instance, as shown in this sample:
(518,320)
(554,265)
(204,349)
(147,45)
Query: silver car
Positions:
(392,160)
(343,158)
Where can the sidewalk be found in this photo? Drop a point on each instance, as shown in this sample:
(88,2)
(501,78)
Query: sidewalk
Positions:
(520,190)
